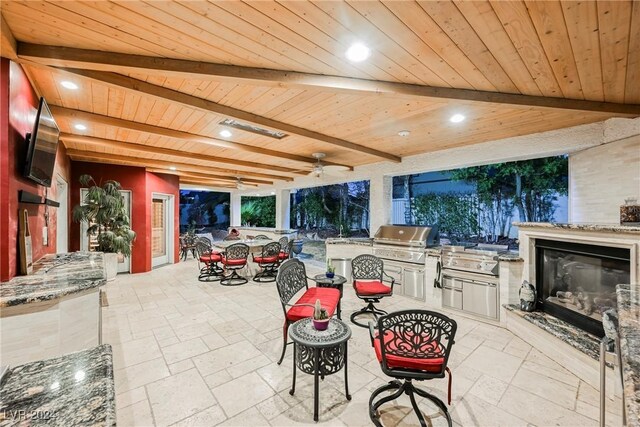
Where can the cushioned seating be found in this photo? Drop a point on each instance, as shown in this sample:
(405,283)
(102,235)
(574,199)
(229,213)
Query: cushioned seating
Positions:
(328,297)
(213,257)
(265,260)
(283,255)
(226,261)
(395,361)
(373,287)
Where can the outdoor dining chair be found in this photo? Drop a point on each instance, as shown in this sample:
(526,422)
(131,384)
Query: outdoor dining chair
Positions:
(368,282)
(234,258)
(267,262)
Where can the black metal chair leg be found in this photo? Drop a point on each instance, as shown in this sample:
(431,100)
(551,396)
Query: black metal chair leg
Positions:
(346,377)
(293,384)
(414,404)
(285,331)
(439,403)
(373,407)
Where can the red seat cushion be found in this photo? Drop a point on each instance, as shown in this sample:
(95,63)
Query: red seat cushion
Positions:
(283,255)
(373,287)
(329,299)
(433,364)
(234,262)
(265,260)
(213,257)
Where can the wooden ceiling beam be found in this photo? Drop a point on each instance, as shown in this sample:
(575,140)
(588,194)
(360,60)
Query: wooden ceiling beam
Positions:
(196,175)
(212,185)
(173,96)
(59,111)
(8,44)
(121,62)
(143,148)
(161,164)
(204,181)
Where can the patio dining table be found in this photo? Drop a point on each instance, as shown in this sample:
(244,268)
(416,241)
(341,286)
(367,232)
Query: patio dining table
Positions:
(255,247)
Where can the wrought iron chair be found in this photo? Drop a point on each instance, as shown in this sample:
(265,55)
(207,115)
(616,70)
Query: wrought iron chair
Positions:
(368,282)
(412,345)
(291,279)
(208,260)
(262,237)
(268,263)
(286,246)
(234,258)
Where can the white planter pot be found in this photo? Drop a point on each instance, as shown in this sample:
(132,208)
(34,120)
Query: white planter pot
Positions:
(111,266)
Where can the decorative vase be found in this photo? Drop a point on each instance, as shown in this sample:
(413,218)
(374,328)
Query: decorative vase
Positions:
(110,266)
(321,325)
(297,247)
(330,274)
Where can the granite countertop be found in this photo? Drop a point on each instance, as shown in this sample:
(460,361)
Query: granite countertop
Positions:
(55,276)
(362,241)
(617,228)
(76,389)
(510,257)
(270,229)
(629,332)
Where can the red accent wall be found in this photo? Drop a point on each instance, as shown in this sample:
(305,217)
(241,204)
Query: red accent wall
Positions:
(141,184)
(19,103)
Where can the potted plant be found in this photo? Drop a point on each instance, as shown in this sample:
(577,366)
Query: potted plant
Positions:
(320,317)
(331,270)
(104,212)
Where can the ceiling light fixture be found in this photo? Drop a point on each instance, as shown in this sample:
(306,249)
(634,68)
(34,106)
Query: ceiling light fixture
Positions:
(404,133)
(456,118)
(80,126)
(225,133)
(69,85)
(239,184)
(357,52)
(172,168)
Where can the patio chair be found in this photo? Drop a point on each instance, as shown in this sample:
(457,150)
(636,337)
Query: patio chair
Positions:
(285,248)
(368,282)
(267,262)
(234,258)
(262,237)
(208,260)
(412,345)
(291,279)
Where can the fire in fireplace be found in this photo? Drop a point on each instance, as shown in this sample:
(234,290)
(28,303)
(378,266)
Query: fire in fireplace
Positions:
(577,282)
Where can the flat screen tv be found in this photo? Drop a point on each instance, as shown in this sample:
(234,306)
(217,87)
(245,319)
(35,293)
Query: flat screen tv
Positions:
(43,145)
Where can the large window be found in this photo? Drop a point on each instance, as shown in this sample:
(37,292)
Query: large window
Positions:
(332,210)
(258,211)
(203,211)
(479,204)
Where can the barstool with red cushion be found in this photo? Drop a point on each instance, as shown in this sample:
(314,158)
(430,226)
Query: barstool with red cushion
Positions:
(268,262)
(291,280)
(412,345)
(234,258)
(368,282)
(211,271)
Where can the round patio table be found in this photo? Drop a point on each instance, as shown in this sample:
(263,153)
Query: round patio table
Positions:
(336,282)
(319,353)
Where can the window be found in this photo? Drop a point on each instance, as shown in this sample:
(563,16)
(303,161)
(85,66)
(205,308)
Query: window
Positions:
(203,211)
(258,211)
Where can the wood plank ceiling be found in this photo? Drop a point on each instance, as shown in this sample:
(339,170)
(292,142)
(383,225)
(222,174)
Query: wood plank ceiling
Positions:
(512,68)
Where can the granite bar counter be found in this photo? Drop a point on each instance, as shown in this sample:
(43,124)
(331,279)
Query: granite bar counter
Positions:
(54,311)
(361,241)
(75,389)
(629,332)
(604,228)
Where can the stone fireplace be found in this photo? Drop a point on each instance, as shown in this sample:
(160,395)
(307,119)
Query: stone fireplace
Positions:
(576,282)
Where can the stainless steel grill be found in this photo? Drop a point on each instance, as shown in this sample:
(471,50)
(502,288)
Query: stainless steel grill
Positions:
(411,236)
(480,259)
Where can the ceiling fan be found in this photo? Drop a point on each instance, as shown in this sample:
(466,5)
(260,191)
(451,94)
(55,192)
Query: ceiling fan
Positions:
(239,184)
(320,169)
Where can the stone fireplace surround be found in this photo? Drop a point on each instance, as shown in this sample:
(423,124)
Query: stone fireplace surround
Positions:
(581,363)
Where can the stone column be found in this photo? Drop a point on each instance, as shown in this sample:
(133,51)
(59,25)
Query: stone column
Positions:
(234,210)
(283,204)
(380,194)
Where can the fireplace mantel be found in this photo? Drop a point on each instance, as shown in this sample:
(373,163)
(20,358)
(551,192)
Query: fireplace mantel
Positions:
(598,228)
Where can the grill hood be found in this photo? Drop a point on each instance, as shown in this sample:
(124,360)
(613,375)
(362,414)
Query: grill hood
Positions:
(405,235)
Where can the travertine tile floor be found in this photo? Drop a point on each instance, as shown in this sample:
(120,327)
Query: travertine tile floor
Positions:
(199,354)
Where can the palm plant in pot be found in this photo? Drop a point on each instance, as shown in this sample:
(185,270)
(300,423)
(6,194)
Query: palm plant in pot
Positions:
(104,212)
(320,317)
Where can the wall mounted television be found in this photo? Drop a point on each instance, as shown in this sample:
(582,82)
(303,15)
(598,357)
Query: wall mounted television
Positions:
(43,145)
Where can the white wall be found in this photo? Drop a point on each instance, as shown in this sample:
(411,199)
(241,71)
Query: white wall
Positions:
(601,178)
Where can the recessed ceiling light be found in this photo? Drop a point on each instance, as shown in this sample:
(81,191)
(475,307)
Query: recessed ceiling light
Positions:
(456,118)
(404,133)
(225,133)
(357,52)
(69,85)
(172,168)
(80,126)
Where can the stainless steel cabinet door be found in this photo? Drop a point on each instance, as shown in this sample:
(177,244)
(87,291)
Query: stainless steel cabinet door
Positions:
(395,271)
(451,295)
(413,282)
(480,298)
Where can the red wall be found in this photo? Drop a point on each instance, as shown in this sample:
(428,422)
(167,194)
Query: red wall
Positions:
(141,184)
(18,102)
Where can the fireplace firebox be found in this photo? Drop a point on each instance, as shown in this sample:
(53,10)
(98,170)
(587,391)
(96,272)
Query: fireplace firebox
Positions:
(577,282)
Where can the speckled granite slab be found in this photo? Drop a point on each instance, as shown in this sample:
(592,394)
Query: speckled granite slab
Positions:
(629,332)
(615,228)
(76,389)
(510,257)
(576,338)
(55,276)
(363,241)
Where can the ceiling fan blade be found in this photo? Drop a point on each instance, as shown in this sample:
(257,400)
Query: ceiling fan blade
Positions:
(336,168)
